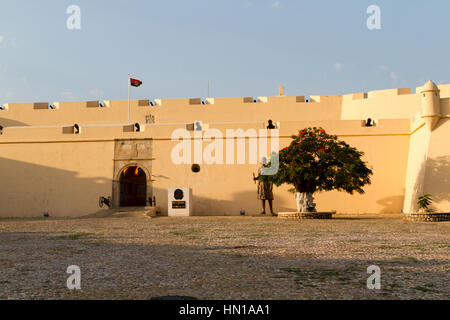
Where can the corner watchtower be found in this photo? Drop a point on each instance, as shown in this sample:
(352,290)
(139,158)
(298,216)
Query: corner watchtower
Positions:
(431,104)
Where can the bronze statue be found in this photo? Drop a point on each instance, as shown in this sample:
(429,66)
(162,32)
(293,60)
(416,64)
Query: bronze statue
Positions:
(265,189)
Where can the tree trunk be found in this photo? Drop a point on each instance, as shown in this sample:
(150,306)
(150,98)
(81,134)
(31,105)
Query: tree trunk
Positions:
(305,202)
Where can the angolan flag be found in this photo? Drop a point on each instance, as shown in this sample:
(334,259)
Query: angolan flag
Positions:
(135,82)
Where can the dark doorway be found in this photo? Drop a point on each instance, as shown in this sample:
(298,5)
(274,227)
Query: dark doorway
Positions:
(133,187)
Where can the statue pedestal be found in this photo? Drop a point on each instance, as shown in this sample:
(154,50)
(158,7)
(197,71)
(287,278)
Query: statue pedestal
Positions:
(428,217)
(306,215)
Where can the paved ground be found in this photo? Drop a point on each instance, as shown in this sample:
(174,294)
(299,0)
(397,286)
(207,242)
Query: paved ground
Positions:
(136,257)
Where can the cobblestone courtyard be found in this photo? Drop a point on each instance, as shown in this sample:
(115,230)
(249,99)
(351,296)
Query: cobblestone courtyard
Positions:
(136,257)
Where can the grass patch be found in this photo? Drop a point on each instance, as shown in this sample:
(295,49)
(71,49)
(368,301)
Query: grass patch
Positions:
(73,236)
(255,235)
(186,233)
(395,286)
(314,235)
(426,288)
(322,275)
(405,260)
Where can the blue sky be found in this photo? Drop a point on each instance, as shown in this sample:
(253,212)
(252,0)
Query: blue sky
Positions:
(242,47)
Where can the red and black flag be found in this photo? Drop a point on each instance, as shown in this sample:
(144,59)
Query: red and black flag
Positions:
(135,82)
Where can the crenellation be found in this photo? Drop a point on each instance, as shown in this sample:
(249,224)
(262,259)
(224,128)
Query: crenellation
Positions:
(144,103)
(359,96)
(195,101)
(41,106)
(281,99)
(389,92)
(396,103)
(92,104)
(214,100)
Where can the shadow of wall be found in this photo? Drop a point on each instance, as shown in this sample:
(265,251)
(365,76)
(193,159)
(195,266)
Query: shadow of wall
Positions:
(224,267)
(437,181)
(29,190)
(246,201)
(11,123)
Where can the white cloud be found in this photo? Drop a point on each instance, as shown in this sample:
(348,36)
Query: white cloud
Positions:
(277,5)
(384,68)
(337,66)
(248,3)
(394,77)
(96,93)
(67,95)
(2,38)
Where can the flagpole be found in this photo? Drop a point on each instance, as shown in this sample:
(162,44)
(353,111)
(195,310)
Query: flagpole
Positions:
(129,87)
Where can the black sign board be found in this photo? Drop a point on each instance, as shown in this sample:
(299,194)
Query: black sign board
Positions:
(178,204)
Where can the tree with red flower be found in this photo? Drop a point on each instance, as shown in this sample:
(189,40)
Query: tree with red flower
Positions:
(315,161)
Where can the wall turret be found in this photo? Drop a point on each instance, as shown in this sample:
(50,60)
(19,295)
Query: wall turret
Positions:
(431,104)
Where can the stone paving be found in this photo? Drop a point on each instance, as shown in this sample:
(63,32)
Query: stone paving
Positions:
(131,256)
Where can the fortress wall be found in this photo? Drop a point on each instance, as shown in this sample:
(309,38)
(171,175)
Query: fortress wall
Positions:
(445,90)
(281,108)
(429,166)
(64,179)
(66,175)
(69,113)
(445,107)
(382,104)
(227,189)
(437,168)
(242,109)
(156,131)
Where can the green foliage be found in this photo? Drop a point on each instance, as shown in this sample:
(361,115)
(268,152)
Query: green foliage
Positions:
(425,202)
(316,161)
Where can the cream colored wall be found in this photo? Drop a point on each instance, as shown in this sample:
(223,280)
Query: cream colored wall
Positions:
(281,108)
(68,175)
(227,189)
(45,169)
(64,179)
(235,110)
(383,104)
(437,170)
(69,113)
(415,172)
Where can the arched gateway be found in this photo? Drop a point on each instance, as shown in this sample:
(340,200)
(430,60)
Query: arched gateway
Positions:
(133,187)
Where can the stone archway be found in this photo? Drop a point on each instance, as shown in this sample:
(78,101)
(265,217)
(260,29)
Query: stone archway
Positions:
(133,187)
(130,154)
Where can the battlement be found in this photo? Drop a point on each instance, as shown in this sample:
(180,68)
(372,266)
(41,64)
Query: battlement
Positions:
(399,103)
(378,94)
(445,93)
